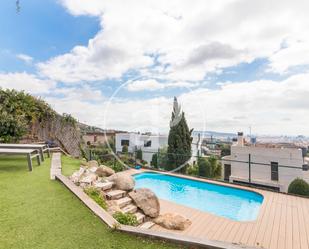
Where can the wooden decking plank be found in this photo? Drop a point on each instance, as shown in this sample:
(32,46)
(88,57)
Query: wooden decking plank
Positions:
(264,224)
(232,230)
(276,227)
(301,225)
(305,209)
(289,224)
(268,230)
(220,233)
(296,234)
(251,238)
(282,226)
(211,220)
(239,234)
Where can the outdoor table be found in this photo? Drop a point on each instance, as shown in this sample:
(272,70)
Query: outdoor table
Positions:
(30,153)
(40,147)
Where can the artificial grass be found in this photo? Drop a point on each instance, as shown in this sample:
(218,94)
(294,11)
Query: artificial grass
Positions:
(37,213)
(69,165)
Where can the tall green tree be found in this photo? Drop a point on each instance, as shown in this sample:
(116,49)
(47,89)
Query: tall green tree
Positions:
(179,139)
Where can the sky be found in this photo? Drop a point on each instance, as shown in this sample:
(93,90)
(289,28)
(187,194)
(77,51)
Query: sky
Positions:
(232,64)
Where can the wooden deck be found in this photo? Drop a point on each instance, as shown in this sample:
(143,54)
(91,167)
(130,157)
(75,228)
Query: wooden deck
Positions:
(282,223)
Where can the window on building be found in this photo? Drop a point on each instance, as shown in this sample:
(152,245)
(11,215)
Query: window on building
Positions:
(274,171)
(125,142)
(147,143)
(95,138)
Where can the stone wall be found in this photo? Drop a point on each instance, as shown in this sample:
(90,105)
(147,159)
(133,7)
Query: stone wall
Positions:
(64,134)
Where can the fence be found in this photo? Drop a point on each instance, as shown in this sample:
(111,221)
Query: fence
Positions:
(274,172)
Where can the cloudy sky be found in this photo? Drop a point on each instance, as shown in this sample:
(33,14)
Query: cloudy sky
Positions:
(117,64)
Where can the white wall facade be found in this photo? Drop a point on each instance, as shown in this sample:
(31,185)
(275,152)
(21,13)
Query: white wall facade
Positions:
(261,174)
(139,141)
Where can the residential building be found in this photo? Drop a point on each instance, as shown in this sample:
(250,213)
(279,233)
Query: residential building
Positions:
(150,144)
(269,165)
(96,138)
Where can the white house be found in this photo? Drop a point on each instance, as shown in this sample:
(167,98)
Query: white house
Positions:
(150,144)
(271,165)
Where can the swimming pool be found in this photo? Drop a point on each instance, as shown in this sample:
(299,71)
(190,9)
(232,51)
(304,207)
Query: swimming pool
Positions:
(232,203)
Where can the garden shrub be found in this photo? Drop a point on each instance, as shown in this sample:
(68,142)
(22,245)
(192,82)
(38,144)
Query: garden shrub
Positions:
(95,195)
(154,160)
(125,149)
(299,187)
(125,219)
(192,170)
(204,167)
(139,154)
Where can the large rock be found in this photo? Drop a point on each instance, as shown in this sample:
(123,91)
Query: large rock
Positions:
(92,163)
(88,178)
(75,177)
(123,181)
(104,171)
(173,221)
(147,201)
(112,207)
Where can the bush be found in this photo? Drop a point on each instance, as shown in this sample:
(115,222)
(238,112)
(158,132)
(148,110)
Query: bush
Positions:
(204,167)
(11,128)
(139,154)
(299,187)
(95,195)
(125,219)
(125,149)
(115,165)
(192,170)
(154,160)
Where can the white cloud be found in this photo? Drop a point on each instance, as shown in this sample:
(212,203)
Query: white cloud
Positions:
(270,107)
(27,82)
(25,58)
(293,55)
(153,85)
(190,39)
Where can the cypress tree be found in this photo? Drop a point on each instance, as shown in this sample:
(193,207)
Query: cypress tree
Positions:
(179,139)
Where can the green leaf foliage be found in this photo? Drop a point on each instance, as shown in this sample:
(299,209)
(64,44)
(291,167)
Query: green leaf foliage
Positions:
(125,219)
(19,111)
(96,196)
(179,139)
(299,187)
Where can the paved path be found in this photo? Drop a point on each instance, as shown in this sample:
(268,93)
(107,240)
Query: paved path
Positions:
(55,167)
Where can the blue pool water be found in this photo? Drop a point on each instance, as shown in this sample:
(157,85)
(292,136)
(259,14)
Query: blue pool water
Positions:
(232,203)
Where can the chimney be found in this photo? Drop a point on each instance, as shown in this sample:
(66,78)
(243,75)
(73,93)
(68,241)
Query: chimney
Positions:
(240,139)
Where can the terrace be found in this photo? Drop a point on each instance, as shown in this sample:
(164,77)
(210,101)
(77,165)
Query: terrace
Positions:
(282,222)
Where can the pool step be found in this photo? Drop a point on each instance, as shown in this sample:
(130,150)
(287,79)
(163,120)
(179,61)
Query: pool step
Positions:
(123,202)
(103,185)
(140,217)
(115,194)
(129,209)
(147,225)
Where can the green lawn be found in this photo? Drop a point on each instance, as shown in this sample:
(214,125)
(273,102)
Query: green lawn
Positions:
(36,212)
